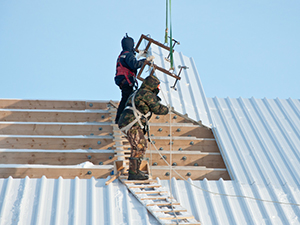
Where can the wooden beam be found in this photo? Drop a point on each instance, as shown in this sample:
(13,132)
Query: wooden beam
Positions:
(187,158)
(51,104)
(55,129)
(49,157)
(52,172)
(192,144)
(166,119)
(59,143)
(54,116)
(197,131)
(195,173)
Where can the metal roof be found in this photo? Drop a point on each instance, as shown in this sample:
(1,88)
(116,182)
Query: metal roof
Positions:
(189,98)
(68,201)
(259,138)
(90,201)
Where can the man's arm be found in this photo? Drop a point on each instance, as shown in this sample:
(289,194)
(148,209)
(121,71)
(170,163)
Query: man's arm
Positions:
(132,62)
(154,104)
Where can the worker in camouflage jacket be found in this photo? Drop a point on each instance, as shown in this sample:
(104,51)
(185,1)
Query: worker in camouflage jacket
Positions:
(145,101)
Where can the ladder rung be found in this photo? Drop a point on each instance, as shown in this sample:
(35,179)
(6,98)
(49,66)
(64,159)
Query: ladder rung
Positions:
(177,217)
(122,150)
(155,198)
(163,204)
(146,186)
(140,182)
(185,223)
(124,147)
(170,210)
(150,192)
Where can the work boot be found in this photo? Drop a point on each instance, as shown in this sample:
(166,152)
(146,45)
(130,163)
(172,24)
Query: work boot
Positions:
(139,165)
(134,172)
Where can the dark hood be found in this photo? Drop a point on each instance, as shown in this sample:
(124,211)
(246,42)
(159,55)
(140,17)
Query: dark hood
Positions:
(127,44)
(151,82)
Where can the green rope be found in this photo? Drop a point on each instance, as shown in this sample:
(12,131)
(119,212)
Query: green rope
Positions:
(168,14)
(166,31)
(171,39)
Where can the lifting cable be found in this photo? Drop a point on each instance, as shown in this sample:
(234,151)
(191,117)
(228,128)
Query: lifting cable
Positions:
(166,31)
(168,16)
(202,189)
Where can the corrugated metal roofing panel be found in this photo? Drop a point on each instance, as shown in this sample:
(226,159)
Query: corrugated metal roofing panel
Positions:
(259,138)
(90,201)
(68,201)
(220,202)
(189,98)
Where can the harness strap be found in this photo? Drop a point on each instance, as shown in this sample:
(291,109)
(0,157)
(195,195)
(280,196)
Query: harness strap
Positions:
(138,115)
(122,70)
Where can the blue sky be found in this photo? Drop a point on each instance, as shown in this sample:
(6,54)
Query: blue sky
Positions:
(67,50)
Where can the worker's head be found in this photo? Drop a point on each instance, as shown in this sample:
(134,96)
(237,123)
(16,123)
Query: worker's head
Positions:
(127,43)
(152,83)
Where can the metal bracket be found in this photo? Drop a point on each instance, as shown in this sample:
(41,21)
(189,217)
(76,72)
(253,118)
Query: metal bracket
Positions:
(180,69)
(175,42)
(150,40)
(154,66)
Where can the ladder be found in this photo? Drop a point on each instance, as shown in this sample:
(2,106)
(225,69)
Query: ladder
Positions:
(159,202)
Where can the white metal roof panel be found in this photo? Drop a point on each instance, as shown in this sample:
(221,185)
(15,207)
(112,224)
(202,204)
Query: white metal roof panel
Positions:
(189,98)
(90,201)
(68,201)
(259,138)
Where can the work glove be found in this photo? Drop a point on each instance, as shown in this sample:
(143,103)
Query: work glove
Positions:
(142,53)
(150,58)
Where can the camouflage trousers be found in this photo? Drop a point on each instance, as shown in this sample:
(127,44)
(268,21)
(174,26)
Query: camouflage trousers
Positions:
(137,141)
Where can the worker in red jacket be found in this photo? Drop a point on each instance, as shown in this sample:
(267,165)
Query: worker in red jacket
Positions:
(127,66)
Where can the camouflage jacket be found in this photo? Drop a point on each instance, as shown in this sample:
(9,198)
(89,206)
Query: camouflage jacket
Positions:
(145,100)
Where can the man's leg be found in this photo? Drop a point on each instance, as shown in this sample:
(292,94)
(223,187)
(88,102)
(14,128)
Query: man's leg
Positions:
(126,92)
(138,144)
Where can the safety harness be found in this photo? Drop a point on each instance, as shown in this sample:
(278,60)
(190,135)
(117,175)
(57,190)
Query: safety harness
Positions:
(138,115)
(122,70)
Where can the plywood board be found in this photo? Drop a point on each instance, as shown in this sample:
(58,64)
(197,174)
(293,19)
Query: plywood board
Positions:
(54,116)
(52,172)
(186,158)
(190,172)
(52,104)
(55,129)
(203,145)
(180,130)
(56,158)
(166,119)
(63,143)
